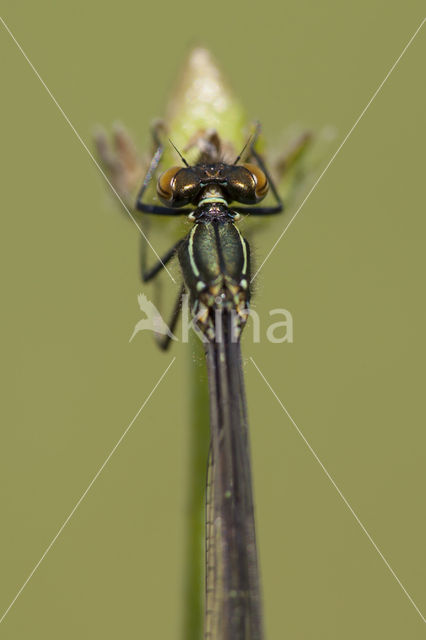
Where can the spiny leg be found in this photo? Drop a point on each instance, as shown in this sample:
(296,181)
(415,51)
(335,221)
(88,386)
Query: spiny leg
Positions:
(257,211)
(287,163)
(164,341)
(149,274)
(279,206)
(152,272)
(153,208)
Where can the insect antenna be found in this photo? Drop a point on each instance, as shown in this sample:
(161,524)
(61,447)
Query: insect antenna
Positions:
(251,137)
(242,150)
(179,153)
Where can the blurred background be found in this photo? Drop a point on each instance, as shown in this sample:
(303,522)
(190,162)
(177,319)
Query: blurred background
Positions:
(350,269)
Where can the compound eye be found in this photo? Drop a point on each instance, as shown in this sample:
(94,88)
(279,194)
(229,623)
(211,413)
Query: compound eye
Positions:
(261,181)
(178,186)
(240,184)
(165,184)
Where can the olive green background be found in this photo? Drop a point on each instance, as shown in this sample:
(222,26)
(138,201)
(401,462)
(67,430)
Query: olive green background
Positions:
(350,269)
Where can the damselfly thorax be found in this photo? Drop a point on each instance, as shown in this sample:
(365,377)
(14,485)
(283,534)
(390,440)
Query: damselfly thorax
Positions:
(215,262)
(214,257)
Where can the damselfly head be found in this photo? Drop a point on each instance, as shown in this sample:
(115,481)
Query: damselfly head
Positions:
(245,183)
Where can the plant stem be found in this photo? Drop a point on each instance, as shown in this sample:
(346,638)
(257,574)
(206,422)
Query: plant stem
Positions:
(193,615)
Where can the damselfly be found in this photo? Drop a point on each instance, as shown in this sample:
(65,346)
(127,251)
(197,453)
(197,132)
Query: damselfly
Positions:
(215,262)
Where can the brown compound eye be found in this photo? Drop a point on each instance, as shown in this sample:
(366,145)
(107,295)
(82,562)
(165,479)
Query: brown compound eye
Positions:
(262,186)
(165,184)
(178,186)
(246,183)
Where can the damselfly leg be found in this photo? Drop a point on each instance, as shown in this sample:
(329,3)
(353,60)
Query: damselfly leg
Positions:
(152,208)
(257,211)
